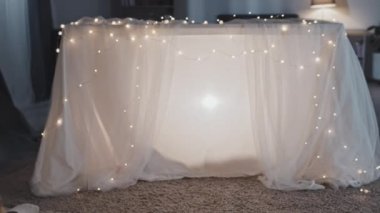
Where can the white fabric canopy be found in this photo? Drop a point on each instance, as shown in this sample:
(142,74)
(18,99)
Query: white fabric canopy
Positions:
(133,100)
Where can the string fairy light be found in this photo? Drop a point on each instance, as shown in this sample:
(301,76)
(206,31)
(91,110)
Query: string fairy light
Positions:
(284,28)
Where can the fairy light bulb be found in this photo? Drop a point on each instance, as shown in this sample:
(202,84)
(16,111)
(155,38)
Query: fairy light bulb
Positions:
(334,114)
(199,59)
(329,131)
(146,37)
(59,33)
(72,40)
(319,118)
(133,38)
(59,122)
(273,45)
(356,159)
(65,100)
(111,35)
(317,59)
(271,16)
(252,51)
(265,51)
(128,26)
(345,146)
(318,156)
(78,189)
(213,50)
(221,22)
(125,164)
(43,134)
(95,70)
(284,28)
(258,17)
(301,67)
(324,176)
(132,146)
(96,20)
(90,31)
(112,179)
(62,26)
(131,126)
(205,22)
(98,189)
(317,127)
(233,57)
(124,110)
(57,50)
(282,61)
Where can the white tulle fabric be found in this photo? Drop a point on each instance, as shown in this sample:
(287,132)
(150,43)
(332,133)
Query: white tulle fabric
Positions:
(284,100)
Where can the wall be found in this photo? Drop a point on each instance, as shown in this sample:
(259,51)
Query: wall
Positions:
(354,14)
(65,11)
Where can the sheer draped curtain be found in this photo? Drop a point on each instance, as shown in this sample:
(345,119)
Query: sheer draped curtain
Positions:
(135,100)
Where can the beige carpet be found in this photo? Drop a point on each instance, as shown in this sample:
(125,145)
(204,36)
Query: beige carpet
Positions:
(193,195)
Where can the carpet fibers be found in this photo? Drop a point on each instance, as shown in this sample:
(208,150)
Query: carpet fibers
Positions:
(244,194)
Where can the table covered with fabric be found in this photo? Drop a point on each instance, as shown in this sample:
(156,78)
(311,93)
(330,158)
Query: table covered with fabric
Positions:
(141,100)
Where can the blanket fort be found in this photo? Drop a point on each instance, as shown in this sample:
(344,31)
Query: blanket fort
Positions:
(144,100)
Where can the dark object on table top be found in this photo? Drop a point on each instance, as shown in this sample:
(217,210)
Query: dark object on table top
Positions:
(229,17)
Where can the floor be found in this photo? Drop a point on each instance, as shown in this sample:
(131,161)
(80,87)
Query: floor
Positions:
(245,194)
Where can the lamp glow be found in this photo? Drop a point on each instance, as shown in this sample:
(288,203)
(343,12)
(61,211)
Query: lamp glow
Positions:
(210,102)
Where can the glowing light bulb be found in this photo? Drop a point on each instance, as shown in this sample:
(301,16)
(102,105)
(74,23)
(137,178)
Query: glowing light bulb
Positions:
(284,28)
(273,45)
(154,32)
(117,40)
(128,26)
(356,159)
(60,33)
(249,12)
(124,110)
(305,142)
(282,61)
(233,57)
(266,51)
(57,50)
(329,131)
(125,164)
(78,189)
(131,126)
(315,97)
(324,176)
(180,52)
(315,22)
(59,122)
(65,100)
(252,51)
(72,40)
(301,67)
(317,59)
(133,38)
(333,88)
(90,31)
(192,21)
(80,85)
(319,118)
(132,146)
(330,42)
(146,36)
(98,189)
(323,35)
(199,59)
(112,179)
(317,127)
(234,15)
(140,46)
(318,156)
(163,41)
(95,70)
(210,102)
(334,114)
(309,30)
(213,50)
(62,26)
(318,75)
(43,134)
(316,105)
(96,20)
(258,17)
(205,22)
(221,22)
(345,146)
(99,51)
